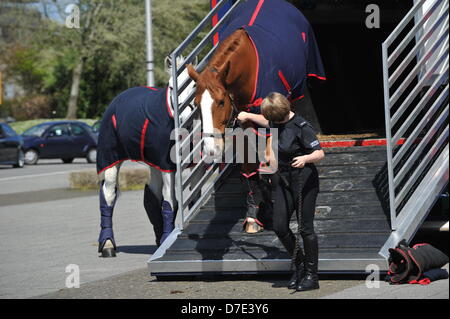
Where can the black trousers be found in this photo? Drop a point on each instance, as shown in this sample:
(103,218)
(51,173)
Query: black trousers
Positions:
(286,200)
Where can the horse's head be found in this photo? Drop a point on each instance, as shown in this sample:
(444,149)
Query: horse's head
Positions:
(215,105)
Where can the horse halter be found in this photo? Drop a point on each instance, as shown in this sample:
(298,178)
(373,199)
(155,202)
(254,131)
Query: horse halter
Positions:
(233,120)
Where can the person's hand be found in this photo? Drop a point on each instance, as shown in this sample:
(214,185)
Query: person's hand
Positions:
(299,162)
(243,116)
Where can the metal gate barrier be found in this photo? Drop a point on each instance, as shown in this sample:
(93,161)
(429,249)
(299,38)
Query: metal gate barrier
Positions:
(415,74)
(194,184)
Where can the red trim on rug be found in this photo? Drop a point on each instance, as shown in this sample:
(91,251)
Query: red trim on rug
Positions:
(263,169)
(113,119)
(256,103)
(259,134)
(419,245)
(256,220)
(167,103)
(249,175)
(351,143)
(285,82)
(316,76)
(256,12)
(109,166)
(298,98)
(424,281)
(155,166)
(145,162)
(144,130)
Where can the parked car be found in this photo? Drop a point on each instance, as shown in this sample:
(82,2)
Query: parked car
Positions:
(62,139)
(11,152)
(96,127)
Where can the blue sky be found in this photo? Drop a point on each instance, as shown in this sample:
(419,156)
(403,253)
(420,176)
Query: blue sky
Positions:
(52,9)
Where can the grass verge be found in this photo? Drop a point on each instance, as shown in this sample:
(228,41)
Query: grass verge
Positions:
(22,126)
(129,179)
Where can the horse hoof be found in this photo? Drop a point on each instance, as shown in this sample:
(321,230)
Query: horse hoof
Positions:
(252,226)
(108,252)
(108,249)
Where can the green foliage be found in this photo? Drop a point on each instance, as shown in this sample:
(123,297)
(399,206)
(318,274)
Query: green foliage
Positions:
(24,65)
(172,22)
(111,44)
(22,126)
(32,106)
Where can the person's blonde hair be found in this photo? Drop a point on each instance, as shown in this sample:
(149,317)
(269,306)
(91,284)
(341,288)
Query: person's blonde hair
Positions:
(275,107)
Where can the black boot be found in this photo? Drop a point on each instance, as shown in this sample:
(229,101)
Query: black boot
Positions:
(297,276)
(288,242)
(311,279)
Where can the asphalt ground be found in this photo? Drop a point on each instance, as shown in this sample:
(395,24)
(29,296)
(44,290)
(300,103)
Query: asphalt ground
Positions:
(139,285)
(46,229)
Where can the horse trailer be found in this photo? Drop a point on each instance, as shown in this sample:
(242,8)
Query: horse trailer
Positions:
(387,69)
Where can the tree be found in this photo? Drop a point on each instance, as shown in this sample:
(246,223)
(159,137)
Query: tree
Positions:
(82,69)
(96,28)
(107,25)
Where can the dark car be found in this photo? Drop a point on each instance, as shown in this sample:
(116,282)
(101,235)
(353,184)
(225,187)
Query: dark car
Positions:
(11,152)
(63,139)
(96,127)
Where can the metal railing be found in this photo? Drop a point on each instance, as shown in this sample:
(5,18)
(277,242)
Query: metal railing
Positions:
(194,184)
(415,75)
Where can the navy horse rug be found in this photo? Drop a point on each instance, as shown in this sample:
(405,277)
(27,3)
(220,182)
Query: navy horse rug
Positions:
(284,43)
(137,126)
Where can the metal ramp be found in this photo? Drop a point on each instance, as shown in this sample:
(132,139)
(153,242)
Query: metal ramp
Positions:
(350,222)
(362,209)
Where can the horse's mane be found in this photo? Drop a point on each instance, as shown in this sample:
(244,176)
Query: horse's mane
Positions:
(226,49)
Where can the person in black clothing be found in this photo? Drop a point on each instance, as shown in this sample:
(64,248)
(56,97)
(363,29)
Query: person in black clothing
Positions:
(298,150)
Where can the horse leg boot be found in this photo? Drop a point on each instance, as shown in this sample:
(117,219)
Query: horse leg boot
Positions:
(106,243)
(168,217)
(254,200)
(169,205)
(311,279)
(152,207)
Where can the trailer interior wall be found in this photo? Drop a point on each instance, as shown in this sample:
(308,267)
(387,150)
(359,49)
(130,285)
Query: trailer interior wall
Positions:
(351,100)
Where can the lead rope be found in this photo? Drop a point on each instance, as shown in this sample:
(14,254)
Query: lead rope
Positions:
(299,216)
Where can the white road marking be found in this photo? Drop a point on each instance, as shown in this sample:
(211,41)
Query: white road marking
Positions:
(36,175)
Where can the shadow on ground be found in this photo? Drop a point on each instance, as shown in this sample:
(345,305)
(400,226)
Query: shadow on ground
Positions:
(137,249)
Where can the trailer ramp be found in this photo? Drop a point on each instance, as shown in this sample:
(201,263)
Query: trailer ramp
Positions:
(371,198)
(351,223)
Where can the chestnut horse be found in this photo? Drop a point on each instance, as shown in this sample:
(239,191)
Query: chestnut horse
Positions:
(229,78)
(269,46)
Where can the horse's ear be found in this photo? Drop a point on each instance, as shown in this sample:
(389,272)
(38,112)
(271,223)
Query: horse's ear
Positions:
(168,64)
(192,73)
(196,61)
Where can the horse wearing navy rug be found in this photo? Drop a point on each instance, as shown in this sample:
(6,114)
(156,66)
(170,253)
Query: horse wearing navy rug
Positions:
(266,46)
(137,126)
